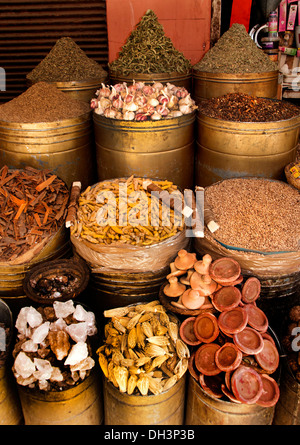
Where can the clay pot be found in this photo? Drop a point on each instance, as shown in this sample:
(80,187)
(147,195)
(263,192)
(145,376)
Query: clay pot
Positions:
(192,299)
(185,260)
(251,290)
(211,384)
(202,266)
(186,280)
(206,327)
(225,271)
(187,333)
(174,271)
(257,319)
(249,341)
(226,298)
(268,357)
(233,321)
(203,283)
(270,394)
(174,288)
(246,384)
(205,359)
(228,357)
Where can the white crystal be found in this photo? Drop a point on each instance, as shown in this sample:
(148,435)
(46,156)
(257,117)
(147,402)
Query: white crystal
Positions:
(81,314)
(41,332)
(44,369)
(84,365)
(44,385)
(56,375)
(78,331)
(29,346)
(23,365)
(28,316)
(78,352)
(63,308)
(58,325)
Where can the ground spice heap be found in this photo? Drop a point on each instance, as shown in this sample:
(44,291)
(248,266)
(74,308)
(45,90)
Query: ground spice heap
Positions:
(32,208)
(148,50)
(243,107)
(256,214)
(235,52)
(66,62)
(42,102)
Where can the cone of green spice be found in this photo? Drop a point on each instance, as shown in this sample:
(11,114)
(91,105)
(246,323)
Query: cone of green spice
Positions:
(66,62)
(235,53)
(148,51)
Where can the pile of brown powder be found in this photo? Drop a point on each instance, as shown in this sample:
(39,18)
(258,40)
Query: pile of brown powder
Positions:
(235,52)
(66,62)
(256,214)
(42,102)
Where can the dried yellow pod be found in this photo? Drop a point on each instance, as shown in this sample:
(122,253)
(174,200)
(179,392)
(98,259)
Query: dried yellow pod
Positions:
(182,349)
(141,361)
(111,375)
(133,321)
(140,336)
(147,329)
(121,376)
(155,385)
(116,312)
(173,331)
(116,357)
(181,367)
(127,362)
(170,382)
(158,361)
(118,325)
(158,340)
(103,364)
(132,338)
(143,384)
(154,350)
(131,384)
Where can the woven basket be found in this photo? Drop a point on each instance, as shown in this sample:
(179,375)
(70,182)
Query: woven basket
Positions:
(295,182)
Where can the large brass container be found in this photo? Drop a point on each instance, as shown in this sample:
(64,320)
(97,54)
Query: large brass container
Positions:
(10,407)
(66,147)
(178,79)
(287,410)
(162,149)
(83,90)
(166,408)
(207,85)
(227,149)
(80,405)
(12,275)
(202,409)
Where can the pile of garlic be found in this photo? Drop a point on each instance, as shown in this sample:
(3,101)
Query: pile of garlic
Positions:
(142,102)
(53,348)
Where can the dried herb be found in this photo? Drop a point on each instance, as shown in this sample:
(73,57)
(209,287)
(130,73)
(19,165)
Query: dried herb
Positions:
(148,50)
(235,52)
(66,62)
(242,107)
(42,102)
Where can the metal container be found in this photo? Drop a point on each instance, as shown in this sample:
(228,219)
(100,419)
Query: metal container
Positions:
(201,409)
(207,85)
(162,149)
(12,275)
(83,90)
(80,405)
(287,411)
(227,149)
(166,408)
(66,147)
(178,79)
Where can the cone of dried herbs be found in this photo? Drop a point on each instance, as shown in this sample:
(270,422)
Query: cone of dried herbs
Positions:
(148,50)
(235,53)
(66,62)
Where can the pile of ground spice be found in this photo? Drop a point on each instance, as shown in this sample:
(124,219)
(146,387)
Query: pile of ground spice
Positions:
(242,107)
(257,214)
(42,102)
(66,62)
(148,50)
(236,53)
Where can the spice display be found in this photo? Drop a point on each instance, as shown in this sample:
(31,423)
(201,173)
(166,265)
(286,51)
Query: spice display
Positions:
(148,50)
(290,341)
(42,102)
(121,212)
(242,107)
(235,52)
(53,348)
(66,62)
(55,286)
(142,352)
(142,102)
(32,208)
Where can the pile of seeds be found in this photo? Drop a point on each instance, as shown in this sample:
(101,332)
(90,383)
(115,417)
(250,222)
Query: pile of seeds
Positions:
(257,214)
(242,107)
(53,350)
(66,62)
(42,102)
(33,205)
(148,50)
(136,219)
(236,53)
(142,351)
